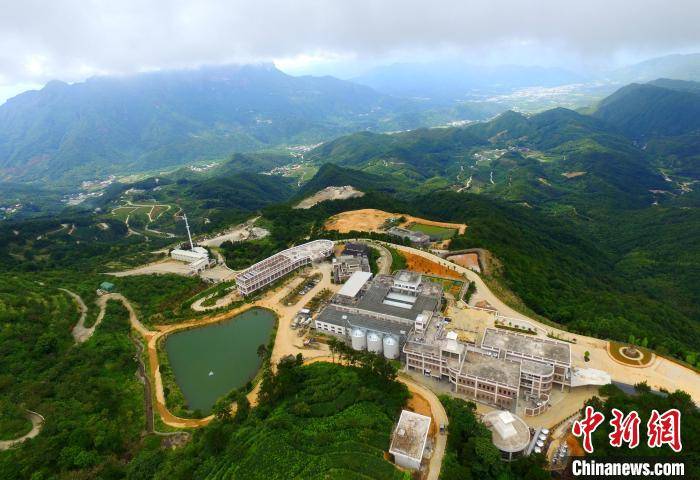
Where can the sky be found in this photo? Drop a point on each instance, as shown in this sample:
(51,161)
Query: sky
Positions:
(71,40)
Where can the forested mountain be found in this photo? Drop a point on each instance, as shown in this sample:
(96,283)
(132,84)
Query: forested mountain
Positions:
(660,108)
(556,156)
(332,175)
(154,120)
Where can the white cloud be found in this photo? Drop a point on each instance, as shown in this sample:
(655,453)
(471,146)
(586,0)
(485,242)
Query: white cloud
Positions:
(72,39)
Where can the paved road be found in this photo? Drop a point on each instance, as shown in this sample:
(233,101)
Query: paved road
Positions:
(661,374)
(37,422)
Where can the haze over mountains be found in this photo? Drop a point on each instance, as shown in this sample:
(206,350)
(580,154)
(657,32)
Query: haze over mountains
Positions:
(63,134)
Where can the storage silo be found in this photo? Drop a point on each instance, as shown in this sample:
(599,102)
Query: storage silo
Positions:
(374,342)
(358,339)
(391,347)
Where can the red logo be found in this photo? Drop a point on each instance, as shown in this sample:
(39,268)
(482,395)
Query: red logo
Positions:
(625,428)
(587,426)
(665,429)
(662,429)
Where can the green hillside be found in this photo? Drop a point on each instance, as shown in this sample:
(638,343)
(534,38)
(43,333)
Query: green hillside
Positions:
(324,421)
(657,109)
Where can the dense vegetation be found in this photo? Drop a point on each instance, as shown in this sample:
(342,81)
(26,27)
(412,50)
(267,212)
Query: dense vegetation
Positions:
(88,394)
(470,453)
(316,421)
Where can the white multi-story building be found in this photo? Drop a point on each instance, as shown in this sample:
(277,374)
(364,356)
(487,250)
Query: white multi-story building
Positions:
(280,264)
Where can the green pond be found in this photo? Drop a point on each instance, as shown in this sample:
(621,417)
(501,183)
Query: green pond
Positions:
(210,361)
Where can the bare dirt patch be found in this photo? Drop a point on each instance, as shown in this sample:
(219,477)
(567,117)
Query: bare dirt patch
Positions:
(573,174)
(423,265)
(372,220)
(330,193)
(467,260)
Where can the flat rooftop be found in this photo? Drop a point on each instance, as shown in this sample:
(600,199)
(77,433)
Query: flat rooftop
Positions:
(527,344)
(375,300)
(509,433)
(410,435)
(407,276)
(493,369)
(334,316)
(354,284)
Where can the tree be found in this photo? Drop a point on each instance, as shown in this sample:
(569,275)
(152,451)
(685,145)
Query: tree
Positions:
(262,351)
(586,355)
(222,409)
(242,408)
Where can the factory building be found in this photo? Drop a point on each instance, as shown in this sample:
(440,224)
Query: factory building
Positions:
(409,439)
(280,264)
(377,315)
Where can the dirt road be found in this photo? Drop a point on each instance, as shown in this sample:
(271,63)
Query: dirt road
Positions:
(37,422)
(439,416)
(80,331)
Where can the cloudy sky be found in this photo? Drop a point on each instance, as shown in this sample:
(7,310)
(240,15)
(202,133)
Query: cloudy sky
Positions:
(71,40)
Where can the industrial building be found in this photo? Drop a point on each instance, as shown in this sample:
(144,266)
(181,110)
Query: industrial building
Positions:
(509,433)
(280,264)
(345,265)
(377,315)
(397,314)
(197,257)
(418,239)
(409,439)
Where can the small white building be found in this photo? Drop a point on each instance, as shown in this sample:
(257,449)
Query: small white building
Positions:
(409,439)
(196,256)
(197,253)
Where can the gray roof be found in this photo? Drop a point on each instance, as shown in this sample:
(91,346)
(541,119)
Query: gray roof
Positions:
(528,345)
(334,316)
(493,369)
(373,299)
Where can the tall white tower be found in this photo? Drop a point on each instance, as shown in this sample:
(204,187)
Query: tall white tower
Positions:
(189,235)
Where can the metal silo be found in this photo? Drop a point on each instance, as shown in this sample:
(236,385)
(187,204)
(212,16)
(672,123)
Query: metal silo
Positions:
(374,342)
(391,347)
(358,339)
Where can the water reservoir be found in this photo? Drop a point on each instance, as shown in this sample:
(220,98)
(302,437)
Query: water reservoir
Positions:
(210,361)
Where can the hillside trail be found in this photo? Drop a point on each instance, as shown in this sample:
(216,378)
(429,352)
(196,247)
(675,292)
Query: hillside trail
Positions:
(37,423)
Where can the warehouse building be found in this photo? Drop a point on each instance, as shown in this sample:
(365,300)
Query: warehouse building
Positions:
(280,264)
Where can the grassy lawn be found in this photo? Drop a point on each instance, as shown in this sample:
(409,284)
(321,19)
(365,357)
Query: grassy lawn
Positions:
(439,233)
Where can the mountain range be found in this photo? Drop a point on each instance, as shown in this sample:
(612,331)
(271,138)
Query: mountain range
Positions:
(153,121)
